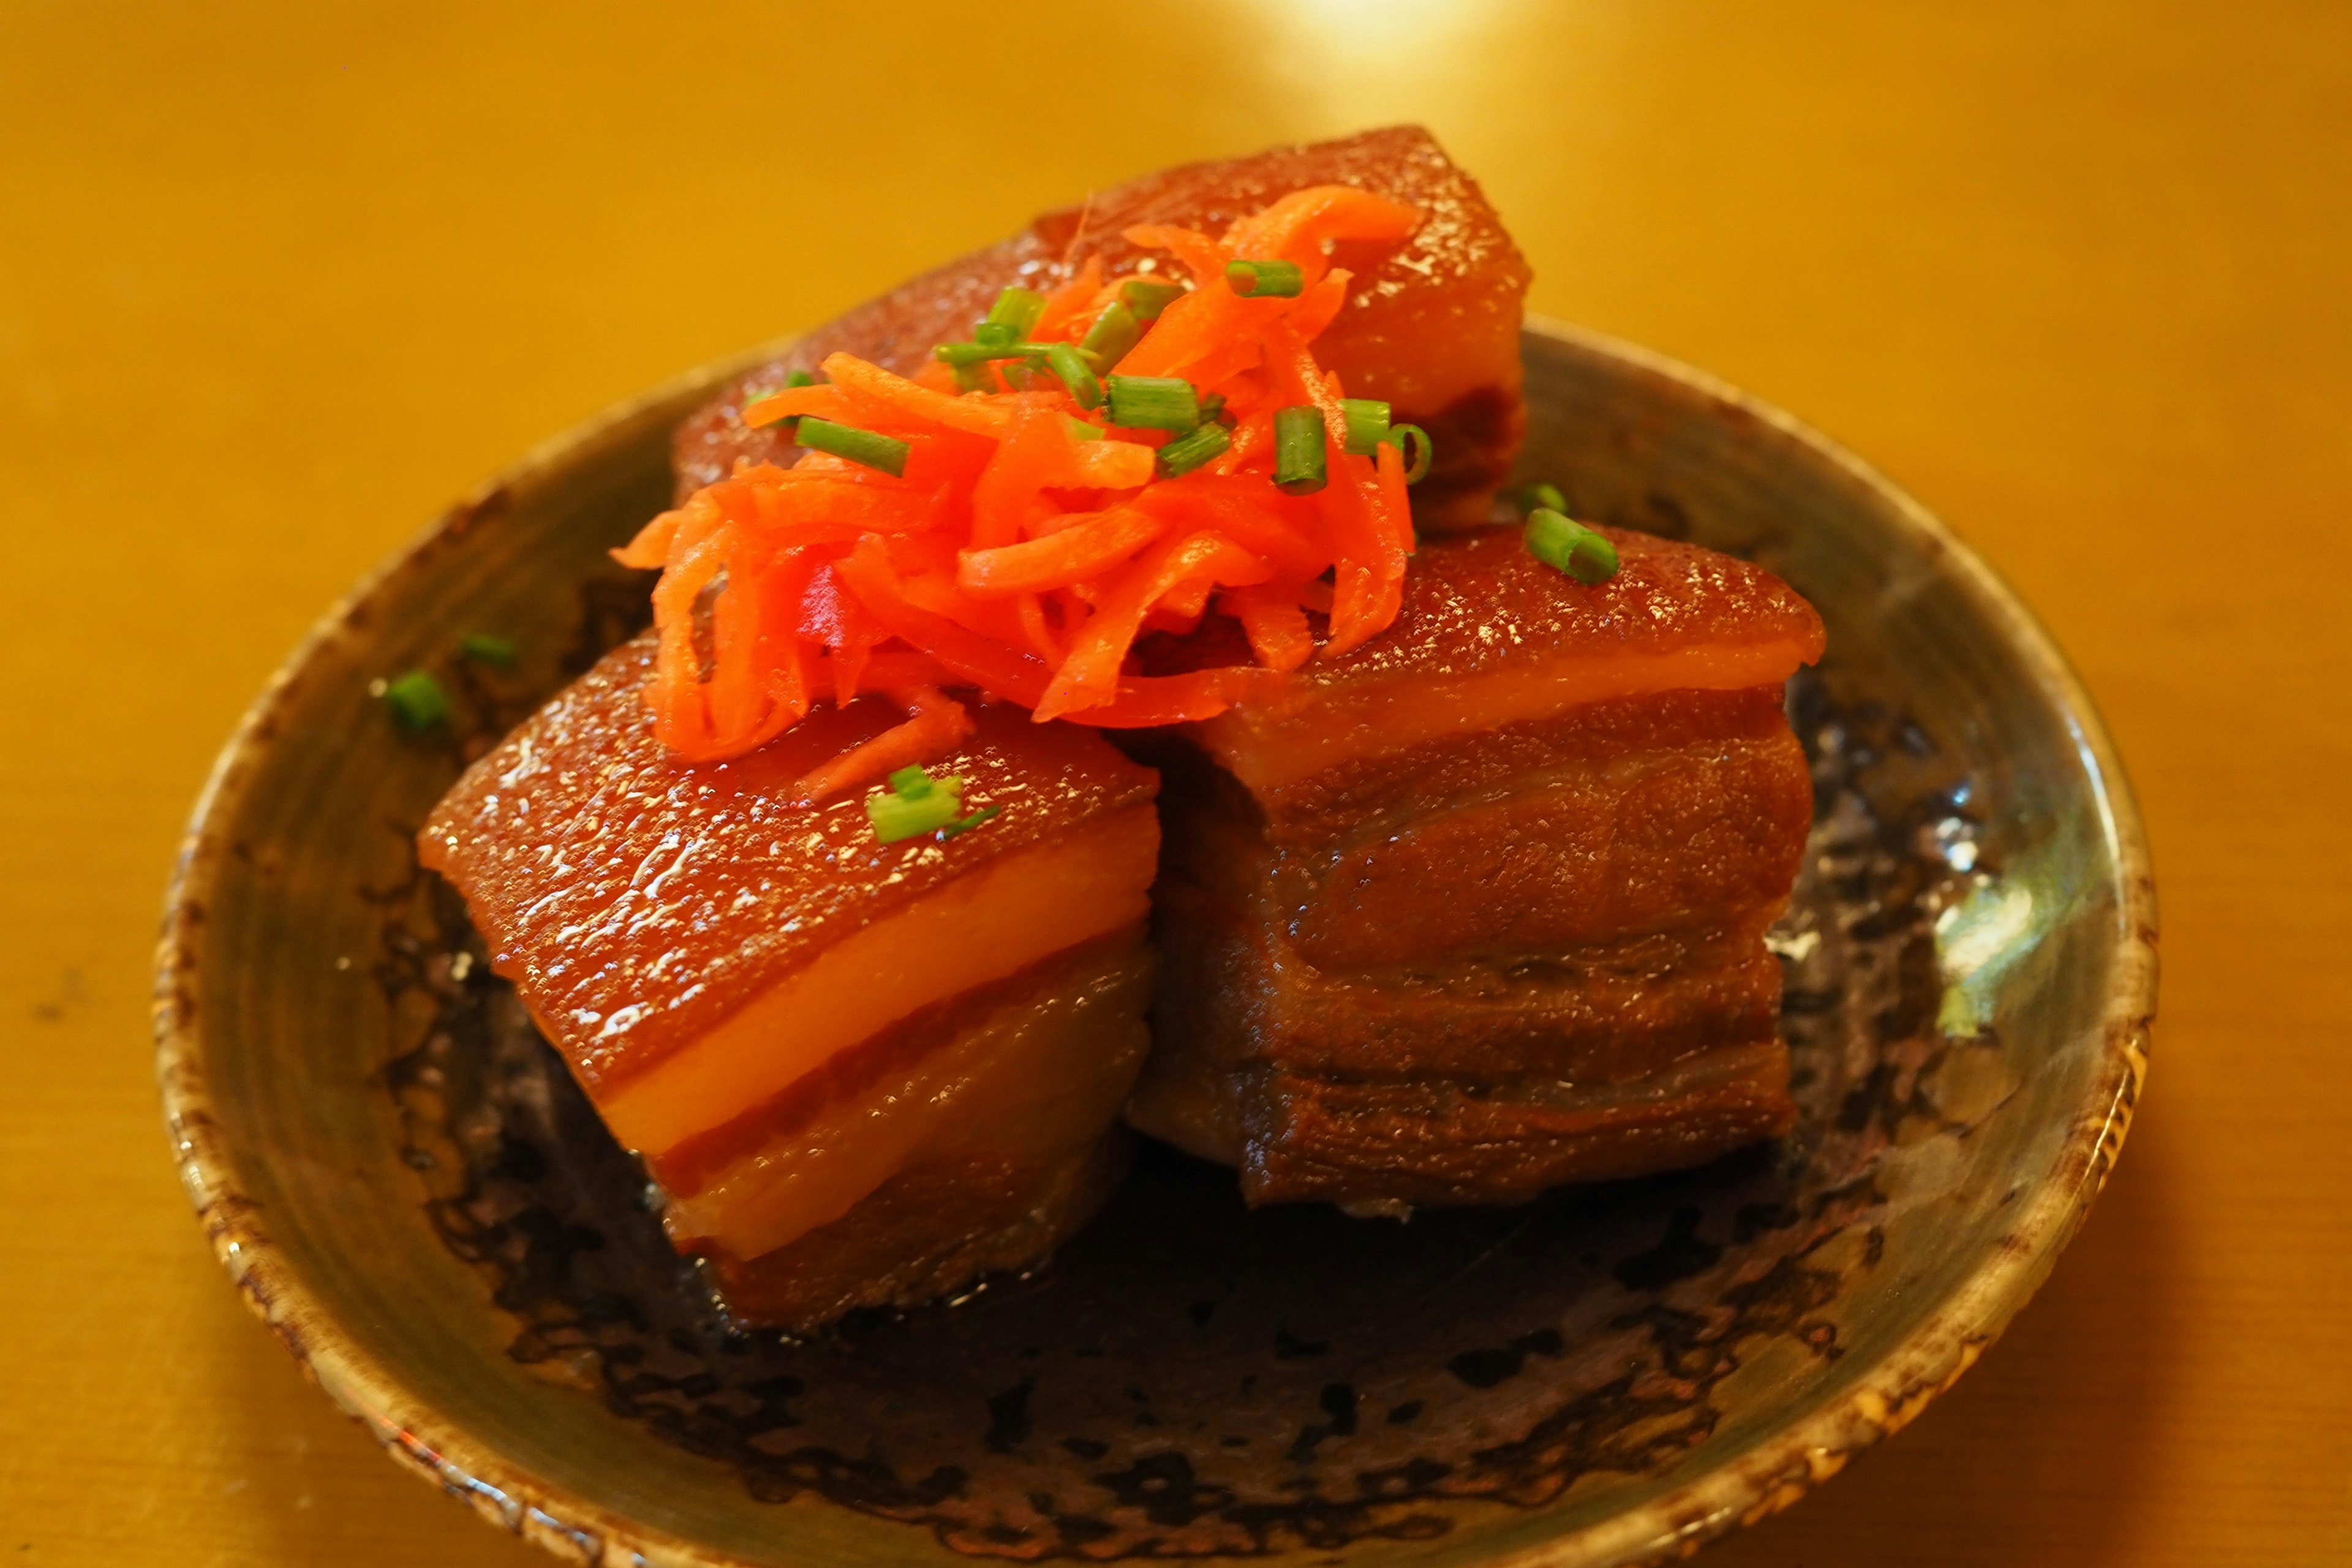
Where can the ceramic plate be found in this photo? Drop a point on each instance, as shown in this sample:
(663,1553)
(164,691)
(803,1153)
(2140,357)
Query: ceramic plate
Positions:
(405,1185)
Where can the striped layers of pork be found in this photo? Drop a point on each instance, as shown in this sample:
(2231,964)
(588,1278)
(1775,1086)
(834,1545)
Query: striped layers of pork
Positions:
(1480,908)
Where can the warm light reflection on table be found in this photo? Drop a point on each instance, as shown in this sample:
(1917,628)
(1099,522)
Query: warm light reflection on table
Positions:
(278,282)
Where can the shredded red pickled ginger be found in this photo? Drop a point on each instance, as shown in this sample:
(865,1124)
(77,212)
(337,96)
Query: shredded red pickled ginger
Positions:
(1016,558)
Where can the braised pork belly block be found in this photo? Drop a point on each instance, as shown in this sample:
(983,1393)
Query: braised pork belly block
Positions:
(1431,325)
(1480,908)
(860,1072)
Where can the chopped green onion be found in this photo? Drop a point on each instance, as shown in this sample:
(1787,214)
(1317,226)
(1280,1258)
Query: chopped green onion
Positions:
(1195,448)
(1414,445)
(875,451)
(1065,361)
(1153,402)
(1299,459)
(800,378)
(1543,494)
(971,378)
(995,334)
(966,824)
(1080,430)
(1556,540)
(1020,376)
(1265,279)
(418,700)
(1552,536)
(1213,407)
(915,802)
(1019,308)
(1147,296)
(1114,331)
(1595,559)
(896,817)
(1368,424)
(979,352)
(484,648)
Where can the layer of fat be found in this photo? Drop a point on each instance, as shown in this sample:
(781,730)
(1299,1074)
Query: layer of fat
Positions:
(1278,742)
(1035,1079)
(1009,914)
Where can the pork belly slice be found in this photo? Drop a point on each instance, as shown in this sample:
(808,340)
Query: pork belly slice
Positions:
(1431,326)
(788,1019)
(1480,909)
(1004,1152)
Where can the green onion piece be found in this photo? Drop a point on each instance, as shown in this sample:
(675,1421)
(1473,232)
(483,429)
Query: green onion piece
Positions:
(1368,424)
(981,354)
(1082,431)
(915,802)
(971,378)
(484,648)
(1595,559)
(1552,536)
(1020,376)
(1542,494)
(995,334)
(1299,458)
(1213,407)
(961,355)
(866,446)
(1265,279)
(1414,445)
(1113,333)
(800,378)
(418,700)
(966,824)
(1018,309)
(896,816)
(1153,402)
(1065,361)
(1148,297)
(1557,539)
(1195,448)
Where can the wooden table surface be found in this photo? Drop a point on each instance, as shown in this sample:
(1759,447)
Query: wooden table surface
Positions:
(275,282)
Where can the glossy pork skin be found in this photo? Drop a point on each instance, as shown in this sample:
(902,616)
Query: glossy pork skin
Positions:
(1431,325)
(784,1016)
(1488,636)
(1481,908)
(639,901)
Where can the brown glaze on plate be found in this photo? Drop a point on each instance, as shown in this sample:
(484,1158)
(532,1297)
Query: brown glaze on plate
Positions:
(414,1197)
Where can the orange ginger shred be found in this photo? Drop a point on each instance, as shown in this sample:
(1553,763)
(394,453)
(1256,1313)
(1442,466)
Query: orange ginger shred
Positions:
(1023,544)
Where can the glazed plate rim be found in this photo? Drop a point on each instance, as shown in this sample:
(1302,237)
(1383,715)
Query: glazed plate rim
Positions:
(1770,1476)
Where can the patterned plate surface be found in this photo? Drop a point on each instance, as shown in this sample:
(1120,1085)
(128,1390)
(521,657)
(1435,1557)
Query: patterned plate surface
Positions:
(406,1186)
